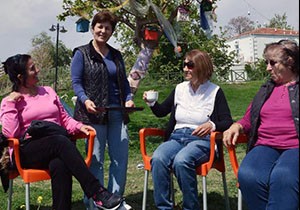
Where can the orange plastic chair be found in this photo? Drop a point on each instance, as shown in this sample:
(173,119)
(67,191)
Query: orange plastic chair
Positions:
(202,170)
(242,139)
(35,175)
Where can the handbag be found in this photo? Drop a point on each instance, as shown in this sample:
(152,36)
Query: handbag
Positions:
(41,128)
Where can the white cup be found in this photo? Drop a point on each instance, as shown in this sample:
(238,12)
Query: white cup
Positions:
(152,96)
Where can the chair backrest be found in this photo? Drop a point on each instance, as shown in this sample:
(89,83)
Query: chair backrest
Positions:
(144,133)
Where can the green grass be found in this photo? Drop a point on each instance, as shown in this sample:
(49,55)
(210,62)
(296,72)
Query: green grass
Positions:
(238,97)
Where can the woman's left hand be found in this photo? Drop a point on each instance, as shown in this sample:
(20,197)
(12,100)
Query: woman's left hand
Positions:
(203,130)
(129,103)
(86,128)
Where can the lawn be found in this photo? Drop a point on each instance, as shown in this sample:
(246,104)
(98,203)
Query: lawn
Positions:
(238,96)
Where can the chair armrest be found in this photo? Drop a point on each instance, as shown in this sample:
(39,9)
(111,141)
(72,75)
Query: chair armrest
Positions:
(144,133)
(242,139)
(215,139)
(14,143)
(90,138)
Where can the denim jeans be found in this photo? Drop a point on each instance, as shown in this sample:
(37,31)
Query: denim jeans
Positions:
(269,179)
(181,154)
(114,134)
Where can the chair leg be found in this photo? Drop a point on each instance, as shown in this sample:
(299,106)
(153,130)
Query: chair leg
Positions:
(145,190)
(225,191)
(27,196)
(240,200)
(10,192)
(204,192)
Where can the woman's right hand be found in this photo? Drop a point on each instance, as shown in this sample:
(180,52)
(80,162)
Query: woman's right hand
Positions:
(90,106)
(231,135)
(15,96)
(145,96)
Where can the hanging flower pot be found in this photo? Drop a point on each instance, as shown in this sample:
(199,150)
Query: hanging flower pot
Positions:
(151,33)
(82,25)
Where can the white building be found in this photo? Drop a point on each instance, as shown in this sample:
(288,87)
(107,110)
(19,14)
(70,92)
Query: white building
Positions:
(249,46)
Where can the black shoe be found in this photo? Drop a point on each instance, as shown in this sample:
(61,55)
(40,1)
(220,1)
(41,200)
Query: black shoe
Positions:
(106,200)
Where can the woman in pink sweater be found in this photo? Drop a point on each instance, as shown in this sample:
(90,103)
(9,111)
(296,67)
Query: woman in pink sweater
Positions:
(28,102)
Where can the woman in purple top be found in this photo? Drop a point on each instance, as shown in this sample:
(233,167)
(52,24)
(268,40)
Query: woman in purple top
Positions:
(28,102)
(269,173)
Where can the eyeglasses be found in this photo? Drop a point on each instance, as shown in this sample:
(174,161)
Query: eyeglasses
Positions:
(189,64)
(271,62)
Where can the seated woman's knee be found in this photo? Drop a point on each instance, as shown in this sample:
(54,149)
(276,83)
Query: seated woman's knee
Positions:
(284,175)
(181,162)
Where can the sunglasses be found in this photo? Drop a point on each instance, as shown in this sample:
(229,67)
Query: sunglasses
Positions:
(189,64)
(271,62)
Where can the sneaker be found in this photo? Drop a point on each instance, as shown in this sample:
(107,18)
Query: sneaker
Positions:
(106,200)
(125,206)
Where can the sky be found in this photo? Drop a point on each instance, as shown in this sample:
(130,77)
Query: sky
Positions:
(21,20)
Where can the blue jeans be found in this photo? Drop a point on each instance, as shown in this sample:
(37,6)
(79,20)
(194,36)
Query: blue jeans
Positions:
(181,154)
(115,135)
(269,179)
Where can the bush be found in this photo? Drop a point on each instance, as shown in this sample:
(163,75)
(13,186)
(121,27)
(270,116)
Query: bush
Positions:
(257,70)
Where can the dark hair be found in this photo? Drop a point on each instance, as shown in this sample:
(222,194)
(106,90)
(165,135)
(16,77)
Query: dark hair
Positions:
(203,64)
(14,66)
(105,16)
(285,52)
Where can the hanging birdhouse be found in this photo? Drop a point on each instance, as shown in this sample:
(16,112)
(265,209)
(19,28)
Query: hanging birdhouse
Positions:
(182,14)
(151,32)
(82,25)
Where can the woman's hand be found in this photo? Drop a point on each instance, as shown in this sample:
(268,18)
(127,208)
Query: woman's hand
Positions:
(15,96)
(90,106)
(129,103)
(231,134)
(86,128)
(203,130)
(145,97)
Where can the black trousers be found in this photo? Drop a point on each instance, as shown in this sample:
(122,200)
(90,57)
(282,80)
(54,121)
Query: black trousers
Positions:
(59,155)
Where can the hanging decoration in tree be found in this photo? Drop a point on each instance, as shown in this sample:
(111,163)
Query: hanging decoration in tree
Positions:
(166,27)
(139,68)
(150,42)
(207,15)
(82,25)
(182,14)
(151,33)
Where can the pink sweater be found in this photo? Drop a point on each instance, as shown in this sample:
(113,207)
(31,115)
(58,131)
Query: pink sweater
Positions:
(277,128)
(15,116)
